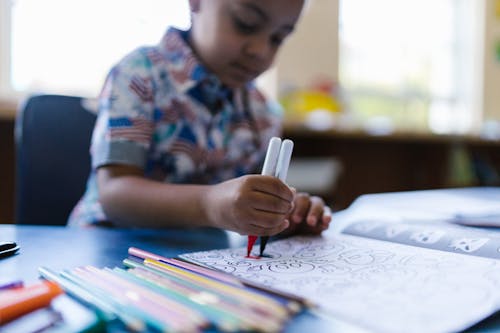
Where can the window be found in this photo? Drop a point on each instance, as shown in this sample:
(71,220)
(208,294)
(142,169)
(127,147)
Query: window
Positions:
(412,65)
(68,46)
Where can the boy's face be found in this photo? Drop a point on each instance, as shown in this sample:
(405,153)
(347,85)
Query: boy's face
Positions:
(238,39)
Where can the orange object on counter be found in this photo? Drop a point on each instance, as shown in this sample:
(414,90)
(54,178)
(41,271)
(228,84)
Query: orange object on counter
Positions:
(17,302)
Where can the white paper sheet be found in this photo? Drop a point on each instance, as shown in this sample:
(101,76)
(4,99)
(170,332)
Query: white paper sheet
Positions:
(468,206)
(381,286)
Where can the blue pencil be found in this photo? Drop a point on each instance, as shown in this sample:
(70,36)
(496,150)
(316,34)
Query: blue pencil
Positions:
(230,302)
(107,309)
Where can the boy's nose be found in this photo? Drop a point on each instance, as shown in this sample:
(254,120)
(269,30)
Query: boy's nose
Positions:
(259,48)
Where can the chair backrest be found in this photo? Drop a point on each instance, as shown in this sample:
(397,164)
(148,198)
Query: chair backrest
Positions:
(52,136)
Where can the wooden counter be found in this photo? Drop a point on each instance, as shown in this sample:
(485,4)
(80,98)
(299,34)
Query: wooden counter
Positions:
(7,164)
(399,161)
(7,109)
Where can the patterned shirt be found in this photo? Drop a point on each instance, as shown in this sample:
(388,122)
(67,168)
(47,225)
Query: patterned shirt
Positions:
(161,110)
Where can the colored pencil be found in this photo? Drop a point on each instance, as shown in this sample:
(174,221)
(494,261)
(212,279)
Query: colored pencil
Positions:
(100,288)
(209,272)
(131,318)
(172,304)
(294,303)
(207,304)
(263,303)
(252,317)
(290,303)
(11,285)
(108,311)
(17,302)
(173,295)
(166,316)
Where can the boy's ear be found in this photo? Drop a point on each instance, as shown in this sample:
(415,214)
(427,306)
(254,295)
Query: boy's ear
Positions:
(194,5)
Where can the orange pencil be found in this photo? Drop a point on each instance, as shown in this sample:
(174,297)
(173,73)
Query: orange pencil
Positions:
(17,302)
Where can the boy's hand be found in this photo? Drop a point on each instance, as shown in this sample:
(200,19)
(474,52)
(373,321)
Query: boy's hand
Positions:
(251,205)
(309,215)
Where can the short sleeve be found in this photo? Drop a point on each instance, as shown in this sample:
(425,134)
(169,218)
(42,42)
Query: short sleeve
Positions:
(125,124)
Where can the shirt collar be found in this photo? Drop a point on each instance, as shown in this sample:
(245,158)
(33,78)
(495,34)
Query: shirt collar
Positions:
(185,69)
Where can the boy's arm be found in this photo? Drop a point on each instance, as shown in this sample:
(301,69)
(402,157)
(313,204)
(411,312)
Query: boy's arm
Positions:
(248,205)
(130,200)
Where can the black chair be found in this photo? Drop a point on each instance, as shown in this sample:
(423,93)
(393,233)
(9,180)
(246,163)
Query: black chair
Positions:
(52,136)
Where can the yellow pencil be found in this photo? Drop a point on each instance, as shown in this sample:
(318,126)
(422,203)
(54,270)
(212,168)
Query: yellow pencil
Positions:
(248,317)
(265,304)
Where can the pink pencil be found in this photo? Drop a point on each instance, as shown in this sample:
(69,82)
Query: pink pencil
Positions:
(203,271)
(295,301)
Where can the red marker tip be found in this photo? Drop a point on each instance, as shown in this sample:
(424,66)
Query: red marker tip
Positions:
(251,242)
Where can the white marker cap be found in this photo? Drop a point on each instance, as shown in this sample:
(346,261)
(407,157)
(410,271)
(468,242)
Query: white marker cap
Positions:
(284,159)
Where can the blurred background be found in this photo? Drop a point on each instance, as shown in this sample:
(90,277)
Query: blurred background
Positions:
(378,96)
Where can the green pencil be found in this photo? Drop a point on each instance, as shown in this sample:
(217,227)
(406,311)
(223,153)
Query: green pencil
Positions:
(108,311)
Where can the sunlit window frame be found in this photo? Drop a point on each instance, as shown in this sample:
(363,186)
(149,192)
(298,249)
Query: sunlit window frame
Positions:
(6,91)
(474,86)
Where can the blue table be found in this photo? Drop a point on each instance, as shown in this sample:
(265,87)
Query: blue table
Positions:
(64,247)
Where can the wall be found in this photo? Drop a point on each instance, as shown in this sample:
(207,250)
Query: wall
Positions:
(312,50)
(309,53)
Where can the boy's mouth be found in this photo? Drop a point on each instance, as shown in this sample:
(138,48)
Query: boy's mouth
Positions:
(245,71)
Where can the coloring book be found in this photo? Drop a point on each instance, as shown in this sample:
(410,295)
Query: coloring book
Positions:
(384,277)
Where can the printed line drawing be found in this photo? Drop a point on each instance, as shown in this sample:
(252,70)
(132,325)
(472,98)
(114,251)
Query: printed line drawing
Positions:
(468,244)
(382,286)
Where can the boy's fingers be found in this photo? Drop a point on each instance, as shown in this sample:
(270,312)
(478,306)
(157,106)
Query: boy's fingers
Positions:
(265,219)
(271,204)
(302,204)
(327,215)
(327,211)
(271,186)
(325,224)
(316,211)
(259,230)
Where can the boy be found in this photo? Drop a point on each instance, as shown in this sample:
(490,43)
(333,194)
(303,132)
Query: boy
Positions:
(181,127)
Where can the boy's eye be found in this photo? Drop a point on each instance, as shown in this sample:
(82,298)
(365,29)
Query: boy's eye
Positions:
(277,40)
(245,27)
